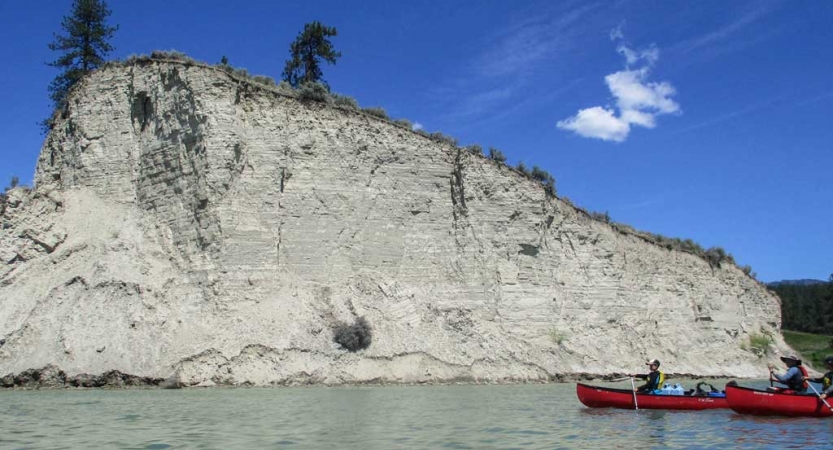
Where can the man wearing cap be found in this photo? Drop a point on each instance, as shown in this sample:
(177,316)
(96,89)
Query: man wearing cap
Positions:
(826,380)
(655,378)
(793,377)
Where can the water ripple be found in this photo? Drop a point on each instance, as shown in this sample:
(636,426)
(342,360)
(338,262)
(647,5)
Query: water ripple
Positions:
(455,417)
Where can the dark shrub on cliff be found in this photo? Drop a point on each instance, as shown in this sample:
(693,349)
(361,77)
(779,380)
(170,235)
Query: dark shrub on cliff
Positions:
(345,101)
(173,55)
(522,168)
(313,92)
(601,217)
(443,139)
(716,256)
(376,112)
(475,149)
(263,79)
(353,337)
(496,155)
(544,178)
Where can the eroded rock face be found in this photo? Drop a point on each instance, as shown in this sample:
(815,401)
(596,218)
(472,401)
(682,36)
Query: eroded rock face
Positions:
(187,224)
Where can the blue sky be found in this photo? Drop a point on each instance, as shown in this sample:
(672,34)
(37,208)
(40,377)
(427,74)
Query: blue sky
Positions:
(708,120)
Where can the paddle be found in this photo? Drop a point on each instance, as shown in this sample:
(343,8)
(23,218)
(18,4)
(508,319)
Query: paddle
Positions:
(819,396)
(636,405)
(619,379)
(771,367)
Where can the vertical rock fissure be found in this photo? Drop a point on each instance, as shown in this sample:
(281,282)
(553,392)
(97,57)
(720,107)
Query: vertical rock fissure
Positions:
(458,196)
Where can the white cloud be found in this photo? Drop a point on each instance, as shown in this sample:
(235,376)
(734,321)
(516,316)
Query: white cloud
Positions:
(638,101)
(650,55)
(639,118)
(417,126)
(597,122)
(633,93)
(616,33)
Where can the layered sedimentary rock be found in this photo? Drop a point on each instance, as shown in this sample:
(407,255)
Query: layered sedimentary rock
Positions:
(188,223)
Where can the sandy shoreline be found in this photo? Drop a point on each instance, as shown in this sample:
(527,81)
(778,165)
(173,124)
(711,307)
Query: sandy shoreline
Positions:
(51,377)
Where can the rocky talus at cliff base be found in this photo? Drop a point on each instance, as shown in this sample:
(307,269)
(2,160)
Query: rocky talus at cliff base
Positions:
(188,224)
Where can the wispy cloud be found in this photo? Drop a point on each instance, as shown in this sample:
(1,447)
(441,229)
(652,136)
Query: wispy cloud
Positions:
(815,99)
(732,36)
(728,30)
(783,101)
(732,115)
(527,102)
(638,101)
(531,41)
(480,102)
(501,76)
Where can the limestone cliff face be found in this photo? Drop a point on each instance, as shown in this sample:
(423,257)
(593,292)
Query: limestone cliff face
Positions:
(186,222)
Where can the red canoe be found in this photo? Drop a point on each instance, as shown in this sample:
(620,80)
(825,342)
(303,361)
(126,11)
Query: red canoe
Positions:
(762,403)
(602,397)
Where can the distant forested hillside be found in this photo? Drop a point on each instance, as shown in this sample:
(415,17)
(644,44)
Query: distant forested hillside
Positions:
(806,307)
(803,282)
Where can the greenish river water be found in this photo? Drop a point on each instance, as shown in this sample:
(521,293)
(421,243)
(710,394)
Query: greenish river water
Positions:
(457,417)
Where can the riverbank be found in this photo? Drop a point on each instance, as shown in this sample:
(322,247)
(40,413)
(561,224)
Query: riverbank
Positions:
(52,377)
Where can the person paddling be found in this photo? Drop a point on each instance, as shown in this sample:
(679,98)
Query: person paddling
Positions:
(826,380)
(655,378)
(793,378)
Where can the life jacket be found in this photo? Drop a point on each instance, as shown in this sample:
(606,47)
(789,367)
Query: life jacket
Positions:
(797,383)
(804,374)
(660,381)
(827,380)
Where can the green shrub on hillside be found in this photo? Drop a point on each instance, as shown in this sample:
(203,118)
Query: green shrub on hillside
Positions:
(262,79)
(496,155)
(521,167)
(376,112)
(225,68)
(241,73)
(544,177)
(345,101)
(443,139)
(313,92)
(717,256)
(404,123)
(759,344)
(601,217)
(475,149)
(132,59)
(172,55)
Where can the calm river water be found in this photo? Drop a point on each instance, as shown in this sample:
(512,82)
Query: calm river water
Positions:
(457,417)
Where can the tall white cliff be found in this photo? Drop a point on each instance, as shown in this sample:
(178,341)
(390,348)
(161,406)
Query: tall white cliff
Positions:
(188,222)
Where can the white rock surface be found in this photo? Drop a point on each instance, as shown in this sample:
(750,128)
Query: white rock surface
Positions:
(191,224)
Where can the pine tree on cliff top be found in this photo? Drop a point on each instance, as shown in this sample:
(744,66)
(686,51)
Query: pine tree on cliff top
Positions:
(84,47)
(309,47)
